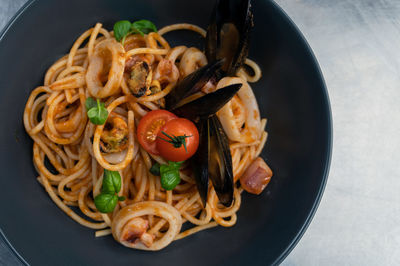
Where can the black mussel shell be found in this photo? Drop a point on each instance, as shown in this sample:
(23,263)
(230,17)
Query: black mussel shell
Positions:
(200,160)
(207,105)
(228,34)
(191,84)
(220,162)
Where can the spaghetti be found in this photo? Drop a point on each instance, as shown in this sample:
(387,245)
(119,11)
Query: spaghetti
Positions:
(67,150)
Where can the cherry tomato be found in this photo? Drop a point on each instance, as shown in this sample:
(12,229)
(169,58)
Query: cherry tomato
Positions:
(174,136)
(149,126)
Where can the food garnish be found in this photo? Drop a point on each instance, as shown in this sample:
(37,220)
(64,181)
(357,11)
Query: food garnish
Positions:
(96,111)
(169,174)
(108,198)
(123,28)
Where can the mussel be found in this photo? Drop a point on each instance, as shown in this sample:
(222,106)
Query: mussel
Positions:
(192,84)
(228,34)
(226,50)
(200,160)
(140,79)
(213,160)
(220,162)
(207,105)
(115,135)
(213,156)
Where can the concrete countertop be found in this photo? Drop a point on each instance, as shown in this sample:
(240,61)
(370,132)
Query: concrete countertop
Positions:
(357,43)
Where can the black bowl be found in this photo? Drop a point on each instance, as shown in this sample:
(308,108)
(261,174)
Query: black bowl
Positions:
(291,94)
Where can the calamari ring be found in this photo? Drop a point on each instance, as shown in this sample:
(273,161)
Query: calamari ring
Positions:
(251,131)
(191,60)
(157,208)
(131,143)
(96,64)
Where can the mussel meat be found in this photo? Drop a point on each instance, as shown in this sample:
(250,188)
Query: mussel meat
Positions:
(115,135)
(140,79)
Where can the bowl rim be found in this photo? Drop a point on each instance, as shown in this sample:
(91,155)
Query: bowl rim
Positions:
(325,175)
(328,160)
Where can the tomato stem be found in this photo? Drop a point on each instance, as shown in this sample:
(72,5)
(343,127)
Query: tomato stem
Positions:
(176,141)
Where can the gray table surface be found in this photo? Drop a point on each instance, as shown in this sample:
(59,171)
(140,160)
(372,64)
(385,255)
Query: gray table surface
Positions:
(357,44)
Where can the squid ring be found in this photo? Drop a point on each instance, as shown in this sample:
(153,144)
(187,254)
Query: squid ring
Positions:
(96,64)
(157,208)
(251,131)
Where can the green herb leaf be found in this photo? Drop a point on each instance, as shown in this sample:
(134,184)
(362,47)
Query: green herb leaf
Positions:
(90,103)
(121,198)
(175,165)
(97,114)
(103,113)
(105,203)
(170,176)
(155,169)
(107,200)
(108,185)
(121,29)
(111,178)
(143,27)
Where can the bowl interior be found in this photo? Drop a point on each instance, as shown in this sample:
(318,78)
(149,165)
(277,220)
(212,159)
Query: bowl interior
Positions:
(291,94)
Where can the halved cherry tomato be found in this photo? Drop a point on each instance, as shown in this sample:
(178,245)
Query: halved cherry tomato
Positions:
(175,132)
(149,126)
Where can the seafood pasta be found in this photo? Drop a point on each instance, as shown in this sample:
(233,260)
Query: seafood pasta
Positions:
(133,137)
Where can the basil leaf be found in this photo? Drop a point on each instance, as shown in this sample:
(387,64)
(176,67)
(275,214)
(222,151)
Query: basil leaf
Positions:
(155,169)
(108,184)
(170,177)
(175,165)
(102,112)
(90,103)
(113,178)
(121,29)
(143,27)
(121,198)
(92,114)
(105,203)
(98,114)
